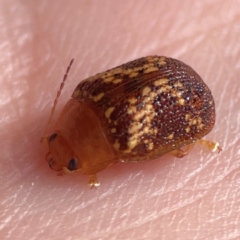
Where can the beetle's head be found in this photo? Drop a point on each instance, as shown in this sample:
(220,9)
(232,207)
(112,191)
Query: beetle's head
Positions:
(60,157)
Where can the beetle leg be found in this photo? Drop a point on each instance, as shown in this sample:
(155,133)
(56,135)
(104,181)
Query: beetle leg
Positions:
(182,152)
(93,182)
(212,146)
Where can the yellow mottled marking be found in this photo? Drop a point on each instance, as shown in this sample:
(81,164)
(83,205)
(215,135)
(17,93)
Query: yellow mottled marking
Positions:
(131,70)
(149,107)
(151,69)
(132,143)
(160,81)
(131,110)
(162,61)
(132,100)
(98,97)
(170,136)
(181,101)
(135,128)
(139,115)
(108,79)
(152,59)
(164,89)
(117,71)
(148,65)
(178,94)
(109,112)
(116,81)
(187,129)
(187,117)
(133,74)
(147,112)
(152,95)
(128,71)
(192,121)
(148,119)
(146,130)
(178,84)
(146,90)
(150,146)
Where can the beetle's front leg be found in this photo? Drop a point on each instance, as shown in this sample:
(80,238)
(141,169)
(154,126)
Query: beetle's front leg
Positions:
(93,182)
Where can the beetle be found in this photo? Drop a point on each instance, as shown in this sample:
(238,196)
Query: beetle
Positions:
(135,112)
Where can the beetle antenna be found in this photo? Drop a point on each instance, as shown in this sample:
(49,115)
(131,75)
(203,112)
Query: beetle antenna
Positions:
(57,97)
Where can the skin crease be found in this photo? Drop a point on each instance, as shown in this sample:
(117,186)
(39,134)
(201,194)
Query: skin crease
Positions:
(196,197)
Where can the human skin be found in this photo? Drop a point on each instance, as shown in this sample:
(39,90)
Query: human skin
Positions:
(196,197)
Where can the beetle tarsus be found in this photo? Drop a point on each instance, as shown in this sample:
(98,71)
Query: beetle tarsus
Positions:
(93,182)
(212,146)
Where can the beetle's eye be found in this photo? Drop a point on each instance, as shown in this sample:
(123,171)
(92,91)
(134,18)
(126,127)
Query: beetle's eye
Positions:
(52,137)
(73,164)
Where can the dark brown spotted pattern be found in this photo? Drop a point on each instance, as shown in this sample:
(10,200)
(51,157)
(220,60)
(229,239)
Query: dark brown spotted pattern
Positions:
(149,107)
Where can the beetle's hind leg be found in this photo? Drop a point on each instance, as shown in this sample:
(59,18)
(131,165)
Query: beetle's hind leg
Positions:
(212,146)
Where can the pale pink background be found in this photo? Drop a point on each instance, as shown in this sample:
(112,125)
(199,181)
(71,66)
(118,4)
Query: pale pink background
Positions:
(197,197)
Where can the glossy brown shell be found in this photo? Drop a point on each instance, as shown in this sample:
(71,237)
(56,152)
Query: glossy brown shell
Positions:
(149,107)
